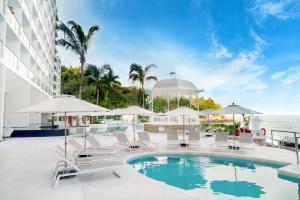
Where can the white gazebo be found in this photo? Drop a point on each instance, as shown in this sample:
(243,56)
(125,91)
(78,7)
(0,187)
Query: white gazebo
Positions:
(168,89)
(174,88)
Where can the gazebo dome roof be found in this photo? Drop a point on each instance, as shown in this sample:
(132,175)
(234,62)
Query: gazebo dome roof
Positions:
(174,87)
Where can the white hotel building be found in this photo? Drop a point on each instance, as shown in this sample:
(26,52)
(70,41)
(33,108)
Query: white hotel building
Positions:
(29,65)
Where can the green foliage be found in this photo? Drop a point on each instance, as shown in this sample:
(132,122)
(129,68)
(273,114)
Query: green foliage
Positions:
(222,127)
(205,103)
(111,93)
(159,105)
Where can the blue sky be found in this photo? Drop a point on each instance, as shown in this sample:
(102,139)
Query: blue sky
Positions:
(240,51)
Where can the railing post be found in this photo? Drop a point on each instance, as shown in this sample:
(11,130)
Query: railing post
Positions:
(296,148)
(272,137)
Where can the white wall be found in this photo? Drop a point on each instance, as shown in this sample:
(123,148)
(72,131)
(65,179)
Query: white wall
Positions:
(2,94)
(16,99)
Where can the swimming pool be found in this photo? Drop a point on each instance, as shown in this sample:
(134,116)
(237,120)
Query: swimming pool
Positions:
(226,177)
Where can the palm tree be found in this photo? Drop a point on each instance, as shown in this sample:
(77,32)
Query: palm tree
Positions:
(140,74)
(77,41)
(110,78)
(103,78)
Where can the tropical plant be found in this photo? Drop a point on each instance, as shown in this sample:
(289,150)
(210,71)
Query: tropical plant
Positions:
(139,73)
(103,78)
(75,39)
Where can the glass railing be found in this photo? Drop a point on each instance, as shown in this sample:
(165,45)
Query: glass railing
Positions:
(12,20)
(25,9)
(16,65)
(23,70)
(24,39)
(10,59)
(2,6)
(1,47)
(32,51)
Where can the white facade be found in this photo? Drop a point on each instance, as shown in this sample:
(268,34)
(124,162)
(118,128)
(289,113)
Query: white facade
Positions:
(29,65)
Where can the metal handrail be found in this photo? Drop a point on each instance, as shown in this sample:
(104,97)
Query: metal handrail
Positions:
(296,137)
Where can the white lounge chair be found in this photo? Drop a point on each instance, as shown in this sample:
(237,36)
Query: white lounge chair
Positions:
(172,139)
(145,139)
(93,130)
(221,140)
(79,131)
(80,151)
(194,138)
(95,144)
(245,141)
(124,142)
(69,167)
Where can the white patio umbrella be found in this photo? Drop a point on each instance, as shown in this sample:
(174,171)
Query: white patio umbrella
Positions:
(184,111)
(236,109)
(208,112)
(62,104)
(134,111)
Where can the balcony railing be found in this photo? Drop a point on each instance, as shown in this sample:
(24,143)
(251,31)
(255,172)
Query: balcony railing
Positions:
(10,59)
(16,65)
(12,20)
(2,6)
(1,47)
(25,9)
(24,39)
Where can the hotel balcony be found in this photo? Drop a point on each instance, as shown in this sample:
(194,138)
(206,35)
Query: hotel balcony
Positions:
(16,65)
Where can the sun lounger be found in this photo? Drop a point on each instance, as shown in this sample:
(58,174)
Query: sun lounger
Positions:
(79,131)
(95,144)
(123,141)
(221,140)
(194,138)
(145,139)
(245,141)
(172,139)
(80,151)
(69,167)
(93,130)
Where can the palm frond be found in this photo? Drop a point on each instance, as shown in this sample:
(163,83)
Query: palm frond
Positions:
(149,67)
(149,78)
(91,32)
(136,68)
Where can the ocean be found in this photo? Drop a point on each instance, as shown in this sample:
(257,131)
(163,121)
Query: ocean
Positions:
(280,122)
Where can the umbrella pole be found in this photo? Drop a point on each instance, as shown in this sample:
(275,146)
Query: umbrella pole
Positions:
(183,127)
(208,120)
(65,137)
(133,129)
(84,132)
(189,123)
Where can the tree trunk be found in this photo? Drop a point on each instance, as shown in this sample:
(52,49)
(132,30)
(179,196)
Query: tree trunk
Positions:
(97,96)
(81,80)
(143,93)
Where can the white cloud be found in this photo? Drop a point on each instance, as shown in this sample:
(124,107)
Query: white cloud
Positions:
(282,9)
(278,75)
(293,75)
(220,50)
(288,76)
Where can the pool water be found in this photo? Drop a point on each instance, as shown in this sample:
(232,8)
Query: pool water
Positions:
(226,177)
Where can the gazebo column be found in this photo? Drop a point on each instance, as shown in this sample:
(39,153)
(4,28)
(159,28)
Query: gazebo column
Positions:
(152,101)
(198,102)
(178,99)
(190,100)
